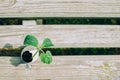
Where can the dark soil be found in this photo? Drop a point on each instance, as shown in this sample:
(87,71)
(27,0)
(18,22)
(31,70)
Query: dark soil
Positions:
(27,56)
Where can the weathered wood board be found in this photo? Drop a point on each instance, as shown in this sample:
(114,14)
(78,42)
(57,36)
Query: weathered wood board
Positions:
(59,8)
(63,35)
(62,68)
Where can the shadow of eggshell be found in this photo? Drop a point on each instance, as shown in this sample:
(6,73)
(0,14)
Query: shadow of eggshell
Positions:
(16,61)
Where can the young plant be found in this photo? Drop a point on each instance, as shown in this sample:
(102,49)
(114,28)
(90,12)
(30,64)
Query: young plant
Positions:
(45,57)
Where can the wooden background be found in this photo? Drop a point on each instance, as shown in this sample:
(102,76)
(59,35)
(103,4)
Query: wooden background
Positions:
(59,8)
(62,67)
(65,36)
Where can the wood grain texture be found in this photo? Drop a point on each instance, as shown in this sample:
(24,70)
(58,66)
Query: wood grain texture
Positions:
(63,35)
(59,8)
(29,22)
(62,68)
(7,3)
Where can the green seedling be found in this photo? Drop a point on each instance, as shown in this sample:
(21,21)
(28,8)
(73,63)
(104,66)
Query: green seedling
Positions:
(45,57)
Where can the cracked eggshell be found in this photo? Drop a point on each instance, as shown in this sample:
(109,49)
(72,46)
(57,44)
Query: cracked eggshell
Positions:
(32,50)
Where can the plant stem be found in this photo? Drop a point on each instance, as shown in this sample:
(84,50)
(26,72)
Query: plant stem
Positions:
(35,53)
(41,50)
(38,49)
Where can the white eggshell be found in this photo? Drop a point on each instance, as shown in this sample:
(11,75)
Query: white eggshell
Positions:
(32,50)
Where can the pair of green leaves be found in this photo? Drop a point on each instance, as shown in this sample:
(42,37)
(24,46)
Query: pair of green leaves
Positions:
(32,40)
(45,57)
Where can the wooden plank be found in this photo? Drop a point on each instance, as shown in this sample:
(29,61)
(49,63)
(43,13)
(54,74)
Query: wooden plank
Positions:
(59,8)
(62,68)
(63,35)
(29,22)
